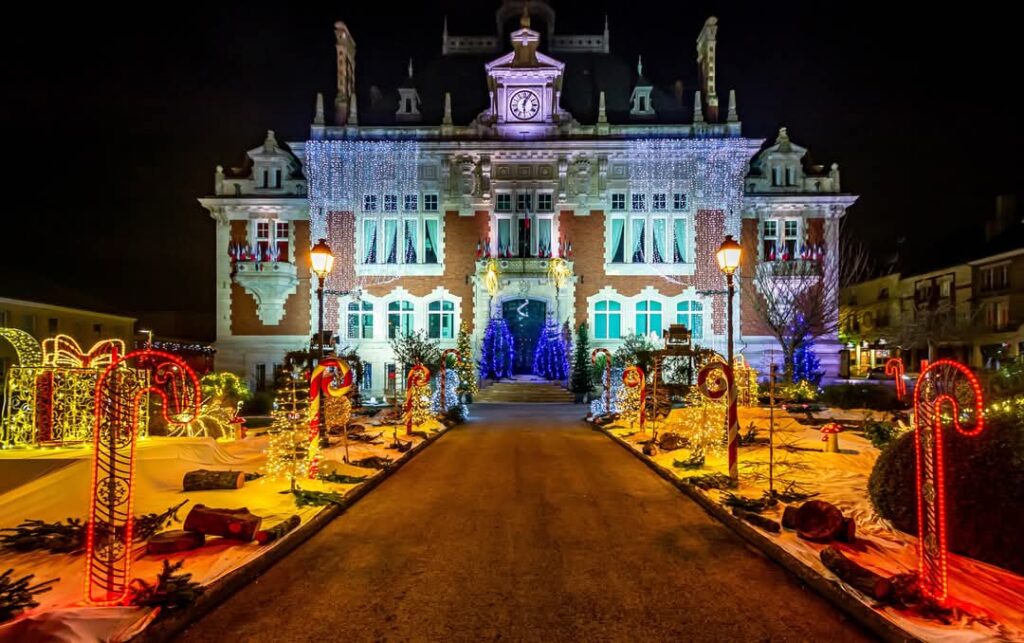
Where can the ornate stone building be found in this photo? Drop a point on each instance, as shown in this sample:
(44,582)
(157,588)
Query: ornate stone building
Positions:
(554,148)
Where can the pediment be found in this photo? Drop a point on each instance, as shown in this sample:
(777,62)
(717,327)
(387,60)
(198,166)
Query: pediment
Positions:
(543,62)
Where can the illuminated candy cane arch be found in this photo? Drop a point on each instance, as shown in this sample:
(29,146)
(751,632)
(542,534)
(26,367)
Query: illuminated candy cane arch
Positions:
(331,379)
(444,374)
(419,377)
(894,367)
(633,377)
(938,396)
(607,375)
(721,375)
(120,392)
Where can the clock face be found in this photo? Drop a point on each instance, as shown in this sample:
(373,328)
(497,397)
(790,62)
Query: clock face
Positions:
(524,105)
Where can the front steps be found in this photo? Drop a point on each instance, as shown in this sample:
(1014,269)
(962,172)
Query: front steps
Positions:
(523,390)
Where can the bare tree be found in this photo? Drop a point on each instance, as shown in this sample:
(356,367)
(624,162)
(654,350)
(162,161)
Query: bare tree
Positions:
(797,301)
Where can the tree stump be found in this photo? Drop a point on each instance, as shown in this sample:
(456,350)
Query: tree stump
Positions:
(265,536)
(205,480)
(864,580)
(671,441)
(820,522)
(237,524)
(170,542)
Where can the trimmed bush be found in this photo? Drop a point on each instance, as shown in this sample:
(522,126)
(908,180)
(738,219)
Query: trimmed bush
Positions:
(861,396)
(984,491)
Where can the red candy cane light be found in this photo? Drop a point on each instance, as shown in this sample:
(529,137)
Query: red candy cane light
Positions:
(120,391)
(894,367)
(723,376)
(321,381)
(936,391)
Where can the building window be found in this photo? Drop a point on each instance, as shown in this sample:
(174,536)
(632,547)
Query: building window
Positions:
(543,237)
(430,202)
(504,202)
(791,236)
(441,319)
(995,277)
(524,202)
(607,319)
(430,241)
(391,203)
(997,314)
(790,176)
(776,248)
(658,239)
(52,325)
(412,203)
(690,313)
(544,202)
(637,240)
(96,328)
(639,202)
(277,179)
(390,241)
(678,201)
(261,377)
(776,177)
(679,254)
(504,237)
(648,317)
(618,240)
(400,318)
(618,201)
(367,382)
(659,201)
(360,320)
(410,240)
(369,203)
(270,239)
(369,241)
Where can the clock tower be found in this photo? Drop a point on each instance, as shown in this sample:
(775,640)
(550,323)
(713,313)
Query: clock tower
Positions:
(525,87)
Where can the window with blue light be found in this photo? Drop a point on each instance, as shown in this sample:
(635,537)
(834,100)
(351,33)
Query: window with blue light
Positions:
(607,319)
(648,317)
(690,313)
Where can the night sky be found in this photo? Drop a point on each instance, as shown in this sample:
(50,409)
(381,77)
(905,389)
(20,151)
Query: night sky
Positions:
(115,120)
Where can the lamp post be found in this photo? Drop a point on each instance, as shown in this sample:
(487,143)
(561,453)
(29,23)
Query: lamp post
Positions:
(728,257)
(321,260)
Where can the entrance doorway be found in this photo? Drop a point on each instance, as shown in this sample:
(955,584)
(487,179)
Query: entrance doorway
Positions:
(525,318)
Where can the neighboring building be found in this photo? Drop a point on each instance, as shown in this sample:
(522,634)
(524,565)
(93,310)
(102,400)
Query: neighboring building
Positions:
(46,320)
(553,149)
(972,311)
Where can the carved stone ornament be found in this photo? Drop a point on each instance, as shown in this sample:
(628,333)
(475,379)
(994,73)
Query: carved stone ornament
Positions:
(270,284)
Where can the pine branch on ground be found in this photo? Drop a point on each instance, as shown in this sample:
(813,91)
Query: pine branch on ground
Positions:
(146,526)
(372,462)
(341,478)
(712,481)
(695,461)
(307,498)
(172,591)
(791,493)
(56,537)
(19,595)
(755,505)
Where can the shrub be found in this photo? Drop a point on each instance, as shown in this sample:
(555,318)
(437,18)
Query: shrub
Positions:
(636,349)
(802,391)
(861,396)
(984,491)
(881,432)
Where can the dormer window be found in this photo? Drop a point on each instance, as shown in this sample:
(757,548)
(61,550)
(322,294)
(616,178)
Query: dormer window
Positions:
(776,177)
(639,202)
(369,203)
(411,202)
(391,203)
(277,179)
(790,176)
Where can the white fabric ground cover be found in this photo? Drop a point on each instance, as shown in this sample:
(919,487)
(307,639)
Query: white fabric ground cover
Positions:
(62,491)
(993,595)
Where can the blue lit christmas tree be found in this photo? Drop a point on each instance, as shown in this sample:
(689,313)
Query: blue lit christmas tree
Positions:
(551,359)
(497,353)
(806,365)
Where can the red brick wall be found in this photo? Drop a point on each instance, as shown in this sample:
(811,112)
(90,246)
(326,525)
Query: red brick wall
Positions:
(750,323)
(815,231)
(296,320)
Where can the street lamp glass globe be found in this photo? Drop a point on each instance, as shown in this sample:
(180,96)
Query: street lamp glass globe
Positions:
(321,258)
(728,255)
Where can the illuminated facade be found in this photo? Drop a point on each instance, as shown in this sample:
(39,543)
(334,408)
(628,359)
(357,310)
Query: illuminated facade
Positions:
(563,150)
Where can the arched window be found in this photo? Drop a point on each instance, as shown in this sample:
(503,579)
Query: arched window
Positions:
(360,320)
(607,319)
(399,318)
(441,319)
(691,315)
(648,317)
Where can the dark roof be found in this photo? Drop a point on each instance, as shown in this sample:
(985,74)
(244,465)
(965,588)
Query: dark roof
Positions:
(464,76)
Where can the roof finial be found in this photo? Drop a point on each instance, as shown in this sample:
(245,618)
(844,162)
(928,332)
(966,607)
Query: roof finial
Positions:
(318,115)
(447,118)
(639,65)
(410,68)
(698,112)
(732,116)
(524,21)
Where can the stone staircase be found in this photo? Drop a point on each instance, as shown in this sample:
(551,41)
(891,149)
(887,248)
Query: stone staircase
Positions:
(523,390)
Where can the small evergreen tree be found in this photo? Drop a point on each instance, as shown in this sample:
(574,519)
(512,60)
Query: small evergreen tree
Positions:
(582,382)
(497,354)
(806,365)
(550,359)
(464,364)
(417,348)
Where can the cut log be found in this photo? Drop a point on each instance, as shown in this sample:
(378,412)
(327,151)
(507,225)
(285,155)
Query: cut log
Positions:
(264,536)
(650,449)
(205,480)
(819,521)
(237,524)
(170,542)
(758,520)
(671,441)
(864,580)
